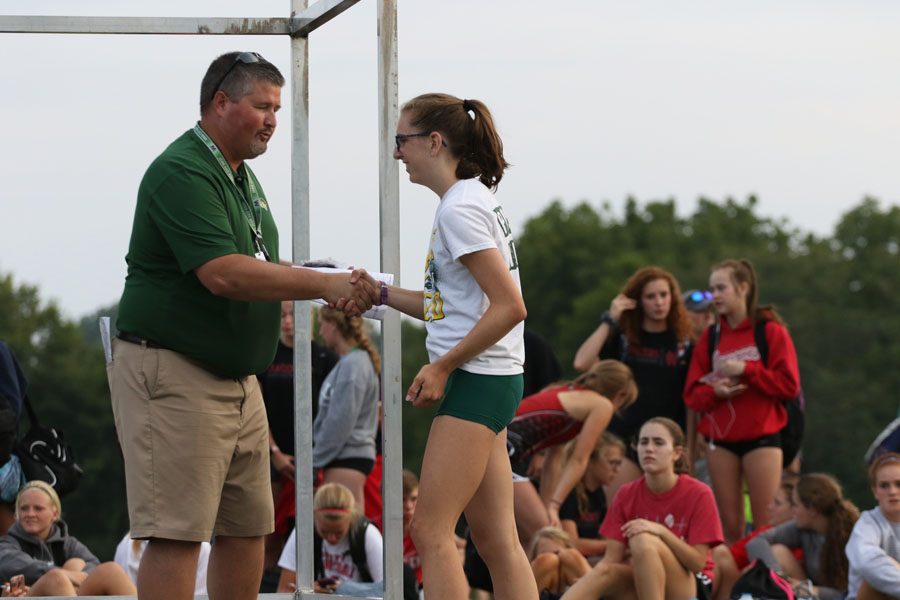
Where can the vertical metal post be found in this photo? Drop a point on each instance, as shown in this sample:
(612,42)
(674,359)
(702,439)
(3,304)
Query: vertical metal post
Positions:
(303,500)
(389,203)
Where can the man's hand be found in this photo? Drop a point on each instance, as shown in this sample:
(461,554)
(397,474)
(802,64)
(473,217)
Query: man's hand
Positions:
(354,293)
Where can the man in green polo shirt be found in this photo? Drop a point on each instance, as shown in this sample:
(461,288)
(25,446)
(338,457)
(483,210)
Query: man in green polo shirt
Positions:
(199,316)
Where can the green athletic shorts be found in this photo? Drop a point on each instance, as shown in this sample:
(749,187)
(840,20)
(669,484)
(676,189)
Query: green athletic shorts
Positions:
(491,400)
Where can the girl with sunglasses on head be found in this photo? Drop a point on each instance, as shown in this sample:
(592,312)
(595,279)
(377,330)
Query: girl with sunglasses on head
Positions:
(874,547)
(741,397)
(473,311)
(647,328)
(666,521)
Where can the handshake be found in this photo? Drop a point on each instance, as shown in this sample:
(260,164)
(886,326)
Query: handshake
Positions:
(354,291)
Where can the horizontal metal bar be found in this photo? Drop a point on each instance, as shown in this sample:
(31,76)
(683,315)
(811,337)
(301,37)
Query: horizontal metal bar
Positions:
(317,15)
(145,25)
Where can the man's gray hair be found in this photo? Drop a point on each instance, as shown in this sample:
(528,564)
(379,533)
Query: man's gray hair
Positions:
(240,77)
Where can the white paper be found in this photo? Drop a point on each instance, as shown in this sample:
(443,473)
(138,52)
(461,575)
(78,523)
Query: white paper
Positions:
(105,339)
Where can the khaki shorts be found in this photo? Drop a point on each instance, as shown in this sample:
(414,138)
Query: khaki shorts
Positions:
(196,447)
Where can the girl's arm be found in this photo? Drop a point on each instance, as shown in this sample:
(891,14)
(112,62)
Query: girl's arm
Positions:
(698,395)
(587,546)
(585,442)
(692,557)
(874,564)
(506,309)
(409,302)
(589,352)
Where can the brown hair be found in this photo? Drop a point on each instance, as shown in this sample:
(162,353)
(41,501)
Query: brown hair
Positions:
(351,328)
(632,321)
(549,533)
(473,140)
(239,77)
(888,458)
(822,493)
(410,482)
(608,378)
(605,442)
(674,429)
(742,271)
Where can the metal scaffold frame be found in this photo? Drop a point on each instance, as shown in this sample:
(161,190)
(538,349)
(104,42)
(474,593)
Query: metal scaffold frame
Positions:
(303,21)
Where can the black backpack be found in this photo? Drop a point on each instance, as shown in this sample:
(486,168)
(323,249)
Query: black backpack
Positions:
(759,581)
(792,432)
(12,391)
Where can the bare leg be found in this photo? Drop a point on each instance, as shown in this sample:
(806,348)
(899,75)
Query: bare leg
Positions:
(108,579)
(725,574)
(530,512)
(607,580)
(725,473)
(628,472)
(545,567)
(53,583)
(453,466)
(867,592)
(490,517)
(573,565)
(762,469)
(352,479)
(168,570)
(235,568)
(657,572)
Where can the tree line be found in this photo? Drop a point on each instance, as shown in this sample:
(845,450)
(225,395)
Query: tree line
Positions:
(836,292)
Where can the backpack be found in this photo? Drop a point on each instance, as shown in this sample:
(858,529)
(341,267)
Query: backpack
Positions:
(759,581)
(357,550)
(792,432)
(12,390)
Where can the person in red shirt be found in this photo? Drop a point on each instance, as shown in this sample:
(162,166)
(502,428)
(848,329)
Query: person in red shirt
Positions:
(668,522)
(742,399)
(410,496)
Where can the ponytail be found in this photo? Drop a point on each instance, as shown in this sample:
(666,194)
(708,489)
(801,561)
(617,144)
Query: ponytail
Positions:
(742,271)
(352,329)
(472,139)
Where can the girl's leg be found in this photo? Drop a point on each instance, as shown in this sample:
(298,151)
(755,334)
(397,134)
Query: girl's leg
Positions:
(762,469)
(867,592)
(725,474)
(628,472)
(725,574)
(607,580)
(352,479)
(788,562)
(108,579)
(490,517)
(546,569)
(573,566)
(453,466)
(529,509)
(53,583)
(657,572)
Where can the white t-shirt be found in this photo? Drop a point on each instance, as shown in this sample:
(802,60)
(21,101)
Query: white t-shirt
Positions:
(467,220)
(336,560)
(129,558)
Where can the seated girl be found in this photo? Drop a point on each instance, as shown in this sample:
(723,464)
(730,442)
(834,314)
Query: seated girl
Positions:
(54,563)
(874,547)
(667,520)
(821,526)
(555,562)
(583,510)
(348,549)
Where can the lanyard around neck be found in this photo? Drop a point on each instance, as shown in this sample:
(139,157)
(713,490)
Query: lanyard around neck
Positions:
(250,206)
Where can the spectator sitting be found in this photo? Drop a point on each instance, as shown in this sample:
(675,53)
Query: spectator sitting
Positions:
(555,561)
(583,510)
(874,547)
(348,552)
(732,560)
(129,553)
(54,563)
(821,526)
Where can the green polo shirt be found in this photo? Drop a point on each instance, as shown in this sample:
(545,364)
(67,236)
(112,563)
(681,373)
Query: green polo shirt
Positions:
(188,213)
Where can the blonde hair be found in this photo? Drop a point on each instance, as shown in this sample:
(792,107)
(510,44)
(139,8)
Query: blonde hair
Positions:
(334,502)
(45,487)
(554,534)
(352,328)
(608,378)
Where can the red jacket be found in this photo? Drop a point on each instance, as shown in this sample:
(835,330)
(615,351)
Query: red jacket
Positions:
(759,411)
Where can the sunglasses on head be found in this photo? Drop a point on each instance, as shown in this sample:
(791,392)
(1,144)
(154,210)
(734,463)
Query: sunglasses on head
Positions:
(700,296)
(248,58)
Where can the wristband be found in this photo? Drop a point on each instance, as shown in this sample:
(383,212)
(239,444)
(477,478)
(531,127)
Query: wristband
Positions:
(384,295)
(273,449)
(607,318)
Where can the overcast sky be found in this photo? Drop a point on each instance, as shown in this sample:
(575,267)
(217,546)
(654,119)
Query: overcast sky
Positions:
(596,100)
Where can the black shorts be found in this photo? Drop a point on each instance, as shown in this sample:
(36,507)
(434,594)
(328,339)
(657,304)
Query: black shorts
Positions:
(704,586)
(747,446)
(363,465)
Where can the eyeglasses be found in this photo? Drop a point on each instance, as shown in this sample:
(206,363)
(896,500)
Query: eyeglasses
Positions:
(698,296)
(402,137)
(248,58)
(615,463)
